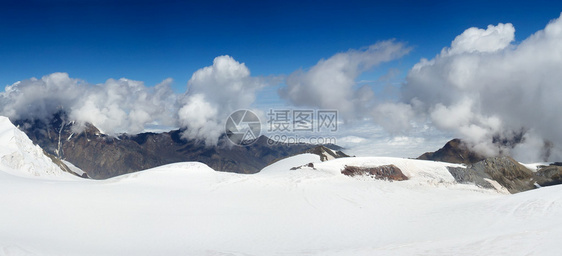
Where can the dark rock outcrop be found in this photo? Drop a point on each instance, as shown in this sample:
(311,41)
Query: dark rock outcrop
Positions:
(309,165)
(469,175)
(455,151)
(550,175)
(505,170)
(383,172)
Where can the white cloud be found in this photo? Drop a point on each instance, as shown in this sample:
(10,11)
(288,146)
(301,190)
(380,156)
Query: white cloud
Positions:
(214,92)
(38,98)
(331,83)
(201,118)
(125,106)
(115,106)
(492,39)
(393,117)
(486,89)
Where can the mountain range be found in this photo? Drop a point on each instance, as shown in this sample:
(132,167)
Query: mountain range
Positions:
(101,156)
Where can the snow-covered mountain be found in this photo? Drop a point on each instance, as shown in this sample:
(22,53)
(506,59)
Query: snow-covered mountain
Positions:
(19,156)
(190,209)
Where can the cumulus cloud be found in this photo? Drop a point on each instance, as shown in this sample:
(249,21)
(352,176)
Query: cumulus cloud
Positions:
(499,96)
(331,83)
(115,106)
(214,92)
(492,39)
(40,98)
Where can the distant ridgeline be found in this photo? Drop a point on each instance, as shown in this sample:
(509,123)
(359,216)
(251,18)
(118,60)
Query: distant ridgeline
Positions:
(102,156)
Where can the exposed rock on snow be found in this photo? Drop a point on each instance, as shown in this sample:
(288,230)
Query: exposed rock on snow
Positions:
(309,165)
(466,175)
(504,170)
(507,172)
(383,172)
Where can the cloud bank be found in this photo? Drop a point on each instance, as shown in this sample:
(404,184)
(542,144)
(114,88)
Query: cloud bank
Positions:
(499,96)
(331,83)
(115,106)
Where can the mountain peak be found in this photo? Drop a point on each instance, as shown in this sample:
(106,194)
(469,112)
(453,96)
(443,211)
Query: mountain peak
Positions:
(21,157)
(454,151)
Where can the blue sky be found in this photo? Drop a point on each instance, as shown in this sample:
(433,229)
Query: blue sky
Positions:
(153,40)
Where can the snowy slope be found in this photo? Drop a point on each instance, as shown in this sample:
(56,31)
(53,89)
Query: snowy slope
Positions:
(189,209)
(294,161)
(19,156)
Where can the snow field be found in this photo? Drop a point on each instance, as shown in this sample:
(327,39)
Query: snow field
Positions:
(189,209)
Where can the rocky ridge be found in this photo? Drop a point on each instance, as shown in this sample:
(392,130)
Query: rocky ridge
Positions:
(454,151)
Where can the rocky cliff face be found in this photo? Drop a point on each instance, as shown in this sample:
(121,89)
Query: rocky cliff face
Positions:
(508,173)
(101,156)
